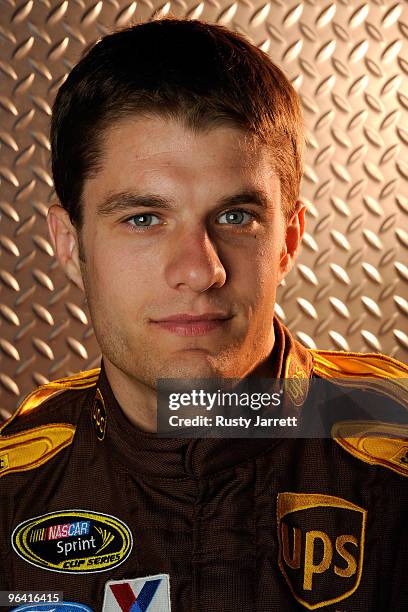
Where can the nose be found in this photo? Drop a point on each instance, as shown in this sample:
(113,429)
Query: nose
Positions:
(193,262)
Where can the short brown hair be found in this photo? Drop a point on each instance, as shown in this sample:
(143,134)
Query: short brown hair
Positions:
(202,73)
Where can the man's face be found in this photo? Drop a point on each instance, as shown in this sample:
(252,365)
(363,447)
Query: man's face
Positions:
(178,223)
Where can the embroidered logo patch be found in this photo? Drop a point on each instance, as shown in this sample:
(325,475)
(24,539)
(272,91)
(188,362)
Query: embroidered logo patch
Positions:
(321,547)
(98,415)
(73,541)
(298,387)
(151,593)
(62,606)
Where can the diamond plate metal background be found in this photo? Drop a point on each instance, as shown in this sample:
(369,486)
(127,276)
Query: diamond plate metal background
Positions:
(349,63)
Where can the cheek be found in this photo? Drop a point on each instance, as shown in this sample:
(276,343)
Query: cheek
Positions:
(118,280)
(262,264)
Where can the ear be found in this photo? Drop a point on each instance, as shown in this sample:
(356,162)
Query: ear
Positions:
(64,239)
(294,232)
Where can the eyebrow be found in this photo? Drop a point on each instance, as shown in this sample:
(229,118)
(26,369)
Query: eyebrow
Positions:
(125,200)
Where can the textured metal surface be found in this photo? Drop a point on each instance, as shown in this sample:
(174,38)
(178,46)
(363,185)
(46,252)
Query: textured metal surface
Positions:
(349,63)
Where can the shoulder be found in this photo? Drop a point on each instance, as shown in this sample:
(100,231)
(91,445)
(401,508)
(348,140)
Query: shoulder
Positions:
(372,379)
(330,364)
(44,423)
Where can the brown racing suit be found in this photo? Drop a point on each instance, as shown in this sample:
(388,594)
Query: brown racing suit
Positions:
(237,524)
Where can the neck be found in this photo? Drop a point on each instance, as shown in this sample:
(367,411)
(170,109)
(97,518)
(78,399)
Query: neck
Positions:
(137,400)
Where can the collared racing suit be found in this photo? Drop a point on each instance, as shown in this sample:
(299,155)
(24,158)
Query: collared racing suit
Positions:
(256,525)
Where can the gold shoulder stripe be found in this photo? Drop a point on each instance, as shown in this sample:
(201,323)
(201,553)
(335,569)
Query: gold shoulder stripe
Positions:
(378,443)
(30,449)
(83,380)
(340,363)
(374,371)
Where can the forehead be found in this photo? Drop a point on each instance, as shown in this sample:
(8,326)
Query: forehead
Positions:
(141,150)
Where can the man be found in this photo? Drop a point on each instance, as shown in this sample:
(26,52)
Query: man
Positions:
(177,158)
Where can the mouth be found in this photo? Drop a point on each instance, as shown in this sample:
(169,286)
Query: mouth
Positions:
(185,324)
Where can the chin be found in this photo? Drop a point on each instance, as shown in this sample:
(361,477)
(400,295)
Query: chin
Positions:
(193,364)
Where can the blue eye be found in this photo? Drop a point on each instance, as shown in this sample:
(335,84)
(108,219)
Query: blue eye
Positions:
(143,220)
(235,217)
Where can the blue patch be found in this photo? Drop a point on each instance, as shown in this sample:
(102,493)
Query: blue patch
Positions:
(64,606)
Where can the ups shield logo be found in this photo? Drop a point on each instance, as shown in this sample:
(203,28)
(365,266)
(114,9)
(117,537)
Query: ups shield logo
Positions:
(321,547)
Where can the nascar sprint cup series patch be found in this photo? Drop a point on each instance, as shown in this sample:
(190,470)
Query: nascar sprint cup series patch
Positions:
(68,541)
